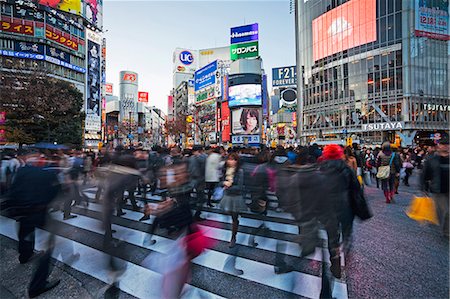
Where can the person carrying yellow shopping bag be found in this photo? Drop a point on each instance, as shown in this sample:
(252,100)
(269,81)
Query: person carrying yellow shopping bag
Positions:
(435,178)
(423,209)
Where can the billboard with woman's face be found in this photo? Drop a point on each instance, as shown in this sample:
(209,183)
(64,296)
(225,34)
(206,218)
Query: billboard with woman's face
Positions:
(246,121)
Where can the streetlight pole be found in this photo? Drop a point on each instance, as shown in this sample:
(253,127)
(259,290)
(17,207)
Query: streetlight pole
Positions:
(299,74)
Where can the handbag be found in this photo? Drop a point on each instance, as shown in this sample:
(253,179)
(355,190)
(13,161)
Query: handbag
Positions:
(385,171)
(407,165)
(359,205)
(218,193)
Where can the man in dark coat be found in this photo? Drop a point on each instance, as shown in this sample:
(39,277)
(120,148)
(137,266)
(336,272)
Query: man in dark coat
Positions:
(436,175)
(32,190)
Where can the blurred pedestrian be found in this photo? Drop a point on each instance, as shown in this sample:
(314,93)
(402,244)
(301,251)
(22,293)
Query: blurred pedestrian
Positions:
(350,159)
(197,164)
(212,172)
(32,190)
(436,172)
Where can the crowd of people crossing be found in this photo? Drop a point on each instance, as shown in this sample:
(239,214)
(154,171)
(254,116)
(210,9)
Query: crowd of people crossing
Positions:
(321,187)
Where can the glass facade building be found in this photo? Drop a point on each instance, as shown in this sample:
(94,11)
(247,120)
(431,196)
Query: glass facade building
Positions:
(371,68)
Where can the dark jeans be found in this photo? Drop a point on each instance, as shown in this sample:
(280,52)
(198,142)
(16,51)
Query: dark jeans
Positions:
(27,226)
(200,192)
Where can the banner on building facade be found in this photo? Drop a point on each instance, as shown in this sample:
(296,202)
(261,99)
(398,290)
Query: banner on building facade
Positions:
(93,88)
(432,19)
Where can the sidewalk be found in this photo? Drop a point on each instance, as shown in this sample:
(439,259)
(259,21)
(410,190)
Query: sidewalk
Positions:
(394,256)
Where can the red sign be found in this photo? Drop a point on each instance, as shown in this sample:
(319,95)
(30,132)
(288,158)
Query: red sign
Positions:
(226,125)
(129,77)
(61,37)
(109,88)
(170,102)
(143,97)
(347,26)
(17,26)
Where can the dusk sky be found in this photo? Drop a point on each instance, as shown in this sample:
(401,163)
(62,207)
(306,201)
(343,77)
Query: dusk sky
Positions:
(142,35)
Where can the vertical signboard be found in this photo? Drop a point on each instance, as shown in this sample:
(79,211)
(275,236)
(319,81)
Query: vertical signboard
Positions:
(225,117)
(93,86)
(264,95)
(109,89)
(432,19)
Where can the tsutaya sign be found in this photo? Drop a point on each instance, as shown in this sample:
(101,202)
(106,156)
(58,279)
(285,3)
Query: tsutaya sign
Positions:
(383,126)
(435,107)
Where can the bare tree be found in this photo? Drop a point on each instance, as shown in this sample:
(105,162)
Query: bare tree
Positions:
(39,107)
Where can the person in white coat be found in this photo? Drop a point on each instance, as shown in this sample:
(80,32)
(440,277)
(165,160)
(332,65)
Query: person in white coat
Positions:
(212,172)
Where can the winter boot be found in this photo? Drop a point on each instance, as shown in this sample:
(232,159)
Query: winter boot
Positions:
(393,192)
(336,266)
(387,195)
(234,231)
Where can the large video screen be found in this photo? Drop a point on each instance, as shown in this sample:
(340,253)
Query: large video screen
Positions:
(244,95)
(347,26)
(246,121)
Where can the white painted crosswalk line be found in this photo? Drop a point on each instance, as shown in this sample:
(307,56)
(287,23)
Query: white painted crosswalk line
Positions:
(137,281)
(296,282)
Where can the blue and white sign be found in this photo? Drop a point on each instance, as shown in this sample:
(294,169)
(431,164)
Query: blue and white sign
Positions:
(186,57)
(205,76)
(284,76)
(245,139)
(23,55)
(246,33)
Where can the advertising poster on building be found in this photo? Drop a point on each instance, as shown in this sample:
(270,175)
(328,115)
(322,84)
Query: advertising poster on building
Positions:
(205,76)
(70,6)
(226,125)
(246,121)
(244,95)
(346,26)
(93,12)
(432,19)
(93,88)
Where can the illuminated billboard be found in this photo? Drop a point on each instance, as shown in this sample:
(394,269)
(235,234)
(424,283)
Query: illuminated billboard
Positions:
(71,6)
(348,25)
(244,95)
(246,121)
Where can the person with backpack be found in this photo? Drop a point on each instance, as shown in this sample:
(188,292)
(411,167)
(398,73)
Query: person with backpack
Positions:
(388,169)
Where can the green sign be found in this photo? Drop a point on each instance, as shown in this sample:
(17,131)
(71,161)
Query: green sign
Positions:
(244,50)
